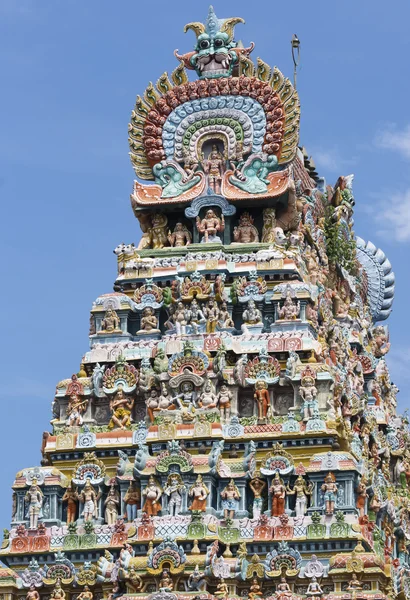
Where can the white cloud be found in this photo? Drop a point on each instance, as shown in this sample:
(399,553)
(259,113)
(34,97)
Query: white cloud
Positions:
(395,139)
(393,216)
(330,159)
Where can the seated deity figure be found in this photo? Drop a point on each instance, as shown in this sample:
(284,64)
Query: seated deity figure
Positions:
(214,167)
(283,591)
(152,493)
(290,310)
(314,590)
(330,493)
(222,590)
(132,501)
(210,226)
(174,489)
(224,403)
(152,403)
(199,493)
(110,322)
(180,236)
(230,500)
(111,504)
(75,410)
(181,318)
(34,499)
(225,320)
(86,594)
(245,232)
(262,398)
(302,491)
(166,584)
(255,591)
(208,398)
(121,408)
(149,322)
(211,312)
(197,317)
(89,498)
(58,593)
(252,315)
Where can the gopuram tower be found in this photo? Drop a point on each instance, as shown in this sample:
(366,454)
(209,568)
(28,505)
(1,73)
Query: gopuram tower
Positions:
(232,432)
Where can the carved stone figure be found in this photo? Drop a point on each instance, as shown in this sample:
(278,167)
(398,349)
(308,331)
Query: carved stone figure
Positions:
(214,167)
(255,591)
(208,398)
(199,493)
(290,310)
(86,594)
(89,498)
(283,591)
(149,322)
(159,230)
(197,317)
(262,398)
(210,226)
(34,497)
(245,232)
(181,318)
(302,491)
(230,500)
(71,497)
(257,486)
(32,594)
(111,504)
(314,590)
(196,579)
(330,493)
(308,393)
(211,312)
(278,492)
(75,410)
(132,501)
(225,320)
(58,593)
(174,489)
(252,315)
(224,403)
(180,236)
(362,496)
(121,408)
(152,493)
(110,322)
(166,584)
(222,590)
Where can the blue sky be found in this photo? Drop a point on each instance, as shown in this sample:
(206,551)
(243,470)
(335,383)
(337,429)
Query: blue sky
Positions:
(70,72)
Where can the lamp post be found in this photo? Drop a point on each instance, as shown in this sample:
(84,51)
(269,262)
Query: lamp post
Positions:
(295,43)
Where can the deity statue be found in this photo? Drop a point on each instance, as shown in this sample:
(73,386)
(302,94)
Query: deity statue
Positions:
(224,402)
(214,167)
(71,497)
(262,398)
(362,495)
(314,590)
(269,224)
(121,408)
(110,322)
(245,232)
(196,579)
(180,236)
(89,498)
(160,362)
(208,398)
(283,591)
(211,312)
(32,594)
(132,501)
(290,310)
(255,591)
(158,230)
(308,393)
(222,590)
(225,320)
(152,493)
(186,399)
(75,410)
(149,322)
(152,403)
(278,492)
(166,583)
(354,584)
(111,504)
(230,500)
(197,317)
(252,315)
(209,226)
(58,593)
(302,491)
(181,318)
(86,594)
(199,493)
(34,498)
(257,486)
(330,493)
(174,489)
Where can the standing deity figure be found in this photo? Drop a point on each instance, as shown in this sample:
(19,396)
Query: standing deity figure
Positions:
(278,492)
(197,317)
(208,399)
(199,493)
(262,398)
(230,500)
(209,226)
(180,236)
(152,493)
(245,232)
(214,167)
(308,393)
(302,491)
(86,594)
(330,493)
(34,498)
(89,498)
(111,504)
(174,489)
(159,230)
(269,224)
(121,408)
(283,591)
(225,320)
(255,591)
(252,315)
(211,312)
(257,486)
(314,590)
(362,496)
(152,404)
(132,500)
(290,310)
(71,497)
(32,594)
(75,410)
(224,403)
(149,322)
(110,322)
(181,318)
(196,580)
